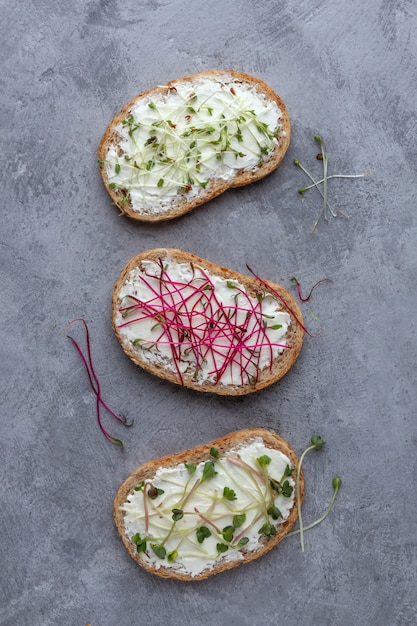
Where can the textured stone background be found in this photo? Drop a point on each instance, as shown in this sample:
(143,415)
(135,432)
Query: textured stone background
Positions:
(346,70)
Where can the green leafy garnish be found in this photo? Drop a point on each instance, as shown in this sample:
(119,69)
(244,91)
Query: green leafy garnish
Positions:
(221,547)
(209,471)
(228,532)
(267,530)
(139,543)
(229,494)
(177,514)
(275,485)
(172,556)
(190,467)
(243,541)
(159,550)
(263,460)
(316,444)
(274,512)
(239,519)
(214,453)
(202,533)
(287,489)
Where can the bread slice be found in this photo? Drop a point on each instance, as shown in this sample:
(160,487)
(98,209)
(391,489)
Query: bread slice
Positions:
(203,326)
(177,524)
(176,146)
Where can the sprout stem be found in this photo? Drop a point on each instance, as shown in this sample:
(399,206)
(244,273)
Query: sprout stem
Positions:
(336,488)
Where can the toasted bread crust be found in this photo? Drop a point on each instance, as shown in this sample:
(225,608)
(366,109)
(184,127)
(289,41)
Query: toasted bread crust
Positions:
(267,376)
(196,455)
(216,186)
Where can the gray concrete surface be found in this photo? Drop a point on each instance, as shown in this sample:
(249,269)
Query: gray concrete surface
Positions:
(346,70)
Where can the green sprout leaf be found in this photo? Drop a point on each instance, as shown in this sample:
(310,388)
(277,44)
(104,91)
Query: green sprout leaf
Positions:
(159,550)
(274,512)
(275,485)
(229,494)
(242,542)
(267,530)
(238,520)
(287,489)
(202,533)
(214,453)
(228,532)
(172,556)
(317,442)
(208,471)
(139,543)
(190,467)
(264,460)
(177,514)
(289,471)
(221,547)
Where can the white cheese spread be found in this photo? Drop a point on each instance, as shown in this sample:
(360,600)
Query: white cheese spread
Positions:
(196,323)
(180,520)
(173,143)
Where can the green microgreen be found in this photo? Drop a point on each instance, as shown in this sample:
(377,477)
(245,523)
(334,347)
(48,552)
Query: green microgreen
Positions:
(264,460)
(229,494)
(268,530)
(202,533)
(227,533)
(316,444)
(214,452)
(274,512)
(326,207)
(177,514)
(221,547)
(238,520)
(336,484)
(242,542)
(159,550)
(209,471)
(139,542)
(190,467)
(172,556)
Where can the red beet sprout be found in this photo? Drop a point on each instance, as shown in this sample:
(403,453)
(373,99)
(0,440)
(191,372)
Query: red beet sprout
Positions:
(95,385)
(294,280)
(198,327)
(281,299)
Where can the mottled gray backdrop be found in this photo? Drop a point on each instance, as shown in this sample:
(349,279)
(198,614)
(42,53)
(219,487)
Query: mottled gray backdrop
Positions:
(346,69)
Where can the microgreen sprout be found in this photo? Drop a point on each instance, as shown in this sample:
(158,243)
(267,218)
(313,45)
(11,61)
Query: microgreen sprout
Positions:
(177,156)
(295,281)
(326,207)
(316,444)
(336,484)
(95,384)
(188,317)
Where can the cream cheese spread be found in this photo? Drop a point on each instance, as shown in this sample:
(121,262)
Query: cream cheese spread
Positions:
(193,322)
(190,523)
(173,143)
